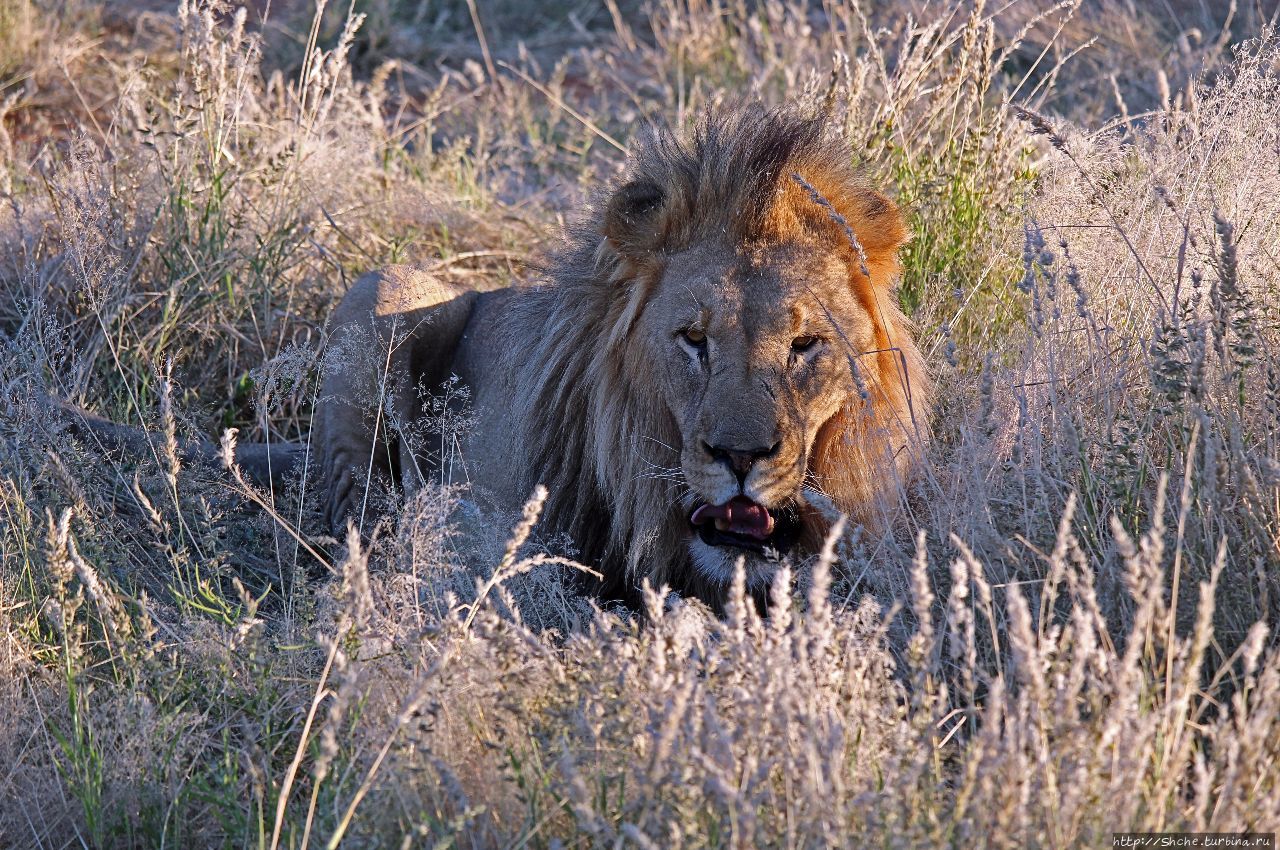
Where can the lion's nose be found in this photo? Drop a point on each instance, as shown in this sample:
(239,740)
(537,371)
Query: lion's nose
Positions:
(740,460)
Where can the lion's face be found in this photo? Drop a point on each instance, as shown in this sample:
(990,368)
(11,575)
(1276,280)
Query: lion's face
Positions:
(720,360)
(753,346)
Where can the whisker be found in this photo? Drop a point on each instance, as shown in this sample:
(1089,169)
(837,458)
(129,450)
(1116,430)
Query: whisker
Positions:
(659,442)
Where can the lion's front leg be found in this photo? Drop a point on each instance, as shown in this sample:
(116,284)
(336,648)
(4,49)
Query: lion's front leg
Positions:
(360,443)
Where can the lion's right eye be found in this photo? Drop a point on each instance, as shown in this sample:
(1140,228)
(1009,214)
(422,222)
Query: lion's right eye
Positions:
(694,336)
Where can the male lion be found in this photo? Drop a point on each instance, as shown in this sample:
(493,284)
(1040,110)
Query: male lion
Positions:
(716,347)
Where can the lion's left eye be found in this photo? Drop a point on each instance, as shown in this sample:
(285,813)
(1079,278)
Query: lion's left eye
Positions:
(801,344)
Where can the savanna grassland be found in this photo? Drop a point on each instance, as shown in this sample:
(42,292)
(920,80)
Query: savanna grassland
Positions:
(1070,629)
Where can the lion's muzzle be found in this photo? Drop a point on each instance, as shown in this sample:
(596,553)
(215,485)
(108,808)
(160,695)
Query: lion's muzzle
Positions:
(740,461)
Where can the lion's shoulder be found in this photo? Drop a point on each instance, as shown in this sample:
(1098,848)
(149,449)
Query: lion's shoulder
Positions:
(396,289)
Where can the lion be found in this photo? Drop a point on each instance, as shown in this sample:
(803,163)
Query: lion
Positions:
(714,353)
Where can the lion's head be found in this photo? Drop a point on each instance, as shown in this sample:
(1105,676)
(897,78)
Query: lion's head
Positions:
(720,344)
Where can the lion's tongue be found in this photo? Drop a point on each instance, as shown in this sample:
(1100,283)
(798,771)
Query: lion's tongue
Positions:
(739,515)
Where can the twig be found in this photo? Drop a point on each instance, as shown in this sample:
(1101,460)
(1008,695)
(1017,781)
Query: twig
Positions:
(586,122)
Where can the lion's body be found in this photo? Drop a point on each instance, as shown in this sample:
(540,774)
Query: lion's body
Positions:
(711,341)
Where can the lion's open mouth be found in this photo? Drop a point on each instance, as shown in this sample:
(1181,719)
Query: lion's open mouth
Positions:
(743,524)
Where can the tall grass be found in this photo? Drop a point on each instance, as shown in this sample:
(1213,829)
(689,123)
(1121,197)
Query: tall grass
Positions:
(1067,632)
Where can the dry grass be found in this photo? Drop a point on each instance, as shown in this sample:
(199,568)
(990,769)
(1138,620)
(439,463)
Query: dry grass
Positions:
(1068,632)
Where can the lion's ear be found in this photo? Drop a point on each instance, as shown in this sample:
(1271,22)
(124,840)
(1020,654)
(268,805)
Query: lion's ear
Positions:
(632,216)
(881,230)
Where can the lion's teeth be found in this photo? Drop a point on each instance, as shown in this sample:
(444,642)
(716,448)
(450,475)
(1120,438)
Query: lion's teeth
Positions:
(722,524)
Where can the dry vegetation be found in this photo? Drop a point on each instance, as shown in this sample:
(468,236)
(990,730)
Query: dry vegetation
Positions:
(1070,631)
